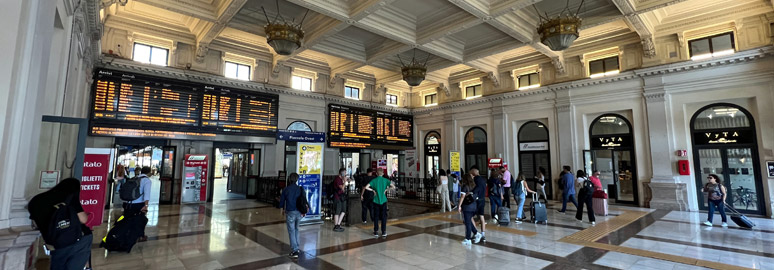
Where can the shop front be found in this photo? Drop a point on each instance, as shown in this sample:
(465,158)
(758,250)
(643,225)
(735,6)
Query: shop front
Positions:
(612,153)
(432,154)
(725,144)
(534,154)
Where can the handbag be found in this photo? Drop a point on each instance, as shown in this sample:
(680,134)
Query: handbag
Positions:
(469,198)
(599,194)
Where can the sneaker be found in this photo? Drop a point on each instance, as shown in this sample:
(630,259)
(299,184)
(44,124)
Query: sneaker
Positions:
(384,235)
(560,211)
(483,238)
(724,225)
(364,222)
(294,254)
(708,224)
(376,234)
(580,220)
(494,220)
(466,242)
(517,221)
(477,238)
(593,223)
(496,217)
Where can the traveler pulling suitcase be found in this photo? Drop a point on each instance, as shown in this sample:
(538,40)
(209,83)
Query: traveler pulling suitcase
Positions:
(124,233)
(504,216)
(538,210)
(741,220)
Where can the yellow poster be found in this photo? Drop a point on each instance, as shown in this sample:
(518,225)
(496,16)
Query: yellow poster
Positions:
(309,158)
(454,158)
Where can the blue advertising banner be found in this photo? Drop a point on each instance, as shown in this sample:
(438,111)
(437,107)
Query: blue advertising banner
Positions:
(300,136)
(309,168)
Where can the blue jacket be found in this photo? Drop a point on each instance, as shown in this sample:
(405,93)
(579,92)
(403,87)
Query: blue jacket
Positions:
(289,196)
(569,183)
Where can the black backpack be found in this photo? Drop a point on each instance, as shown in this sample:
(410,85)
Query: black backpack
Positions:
(494,189)
(588,188)
(124,234)
(130,189)
(64,229)
(302,205)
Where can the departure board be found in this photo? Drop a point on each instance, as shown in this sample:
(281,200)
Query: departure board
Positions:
(364,128)
(127,101)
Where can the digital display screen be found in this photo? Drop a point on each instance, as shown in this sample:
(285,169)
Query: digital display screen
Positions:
(126,101)
(364,128)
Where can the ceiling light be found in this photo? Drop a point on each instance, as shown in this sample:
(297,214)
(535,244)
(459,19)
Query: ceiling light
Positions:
(285,36)
(558,33)
(414,73)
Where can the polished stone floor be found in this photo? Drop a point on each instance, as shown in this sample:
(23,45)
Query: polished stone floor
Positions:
(243,234)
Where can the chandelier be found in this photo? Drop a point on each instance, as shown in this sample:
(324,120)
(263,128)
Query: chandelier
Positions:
(283,36)
(414,73)
(558,33)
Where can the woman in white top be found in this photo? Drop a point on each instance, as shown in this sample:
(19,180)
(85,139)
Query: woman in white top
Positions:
(443,191)
(541,184)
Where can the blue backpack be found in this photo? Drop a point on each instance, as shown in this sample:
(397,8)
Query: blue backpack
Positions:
(517,189)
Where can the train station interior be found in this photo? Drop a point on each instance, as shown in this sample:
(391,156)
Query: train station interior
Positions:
(665,104)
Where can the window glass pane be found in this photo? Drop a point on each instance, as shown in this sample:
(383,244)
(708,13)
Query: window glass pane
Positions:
(721,117)
(534,79)
(243,72)
(610,124)
(296,82)
(306,84)
(595,67)
(469,91)
(722,43)
(524,81)
(141,53)
(533,131)
(477,90)
(699,47)
(158,56)
(298,125)
(356,93)
(231,70)
(347,92)
(475,135)
(611,64)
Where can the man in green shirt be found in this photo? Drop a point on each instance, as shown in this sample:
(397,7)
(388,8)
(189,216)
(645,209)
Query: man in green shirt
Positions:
(379,186)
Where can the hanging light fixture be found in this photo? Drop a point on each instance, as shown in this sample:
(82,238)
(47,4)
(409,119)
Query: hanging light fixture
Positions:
(283,36)
(558,33)
(414,73)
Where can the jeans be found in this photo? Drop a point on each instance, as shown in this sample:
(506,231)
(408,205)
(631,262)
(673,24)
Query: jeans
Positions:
(721,208)
(568,197)
(470,230)
(74,256)
(367,206)
(507,198)
(455,197)
(589,201)
(494,203)
(292,219)
(520,202)
(134,209)
(380,212)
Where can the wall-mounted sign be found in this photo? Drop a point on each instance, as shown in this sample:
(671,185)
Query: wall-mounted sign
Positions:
(495,163)
(611,141)
(412,163)
(723,137)
(533,146)
(309,167)
(48,179)
(300,136)
(454,161)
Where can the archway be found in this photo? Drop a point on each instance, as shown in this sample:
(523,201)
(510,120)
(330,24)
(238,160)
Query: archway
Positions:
(613,154)
(476,149)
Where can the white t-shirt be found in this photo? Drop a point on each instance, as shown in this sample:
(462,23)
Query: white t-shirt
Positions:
(444,180)
(581,179)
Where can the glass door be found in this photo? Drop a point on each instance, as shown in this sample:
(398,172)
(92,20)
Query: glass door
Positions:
(603,162)
(432,166)
(588,162)
(741,179)
(624,174)
(710,162)
(167,175)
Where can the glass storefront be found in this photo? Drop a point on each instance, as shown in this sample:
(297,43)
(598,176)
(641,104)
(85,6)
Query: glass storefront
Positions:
(476,149)
(534,153)
(432,154)
(612,153)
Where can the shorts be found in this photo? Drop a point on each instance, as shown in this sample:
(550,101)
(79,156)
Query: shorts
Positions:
(480,207)
(340,206)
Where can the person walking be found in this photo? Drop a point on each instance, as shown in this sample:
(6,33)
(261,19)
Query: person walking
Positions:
(139,206)
(292,211)
(495,193)
(468,210)
(379,187)
(443,191)
(367,197)
(541,183)
(585,196)
(71,244)
(339,199)
(520,190)
(567,184)
(507,182)
(480,191)
(716,198)
(452,186)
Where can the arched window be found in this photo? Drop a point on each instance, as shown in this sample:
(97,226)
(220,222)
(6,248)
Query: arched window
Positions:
(613,155)
(432,153)
(610,124)
(432,138)
(299,126)
(533,131)
(534,154)
(476,149)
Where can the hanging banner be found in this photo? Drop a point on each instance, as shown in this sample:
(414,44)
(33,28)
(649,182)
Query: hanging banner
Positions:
(454,162)
(412,163)
(309,168)
(96,165)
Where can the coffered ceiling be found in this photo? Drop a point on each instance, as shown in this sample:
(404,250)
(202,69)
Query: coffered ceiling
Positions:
(367,36)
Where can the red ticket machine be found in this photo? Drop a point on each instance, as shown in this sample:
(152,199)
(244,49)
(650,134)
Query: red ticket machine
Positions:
(194,188)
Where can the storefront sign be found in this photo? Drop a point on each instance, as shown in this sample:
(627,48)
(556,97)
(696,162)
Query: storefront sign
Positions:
(96,165)
(495,163)
(48,179)
(309,168)
(432,149)
(194,187)
(533,146)
(412,163)
(300,136)
(723,137)
(609,142)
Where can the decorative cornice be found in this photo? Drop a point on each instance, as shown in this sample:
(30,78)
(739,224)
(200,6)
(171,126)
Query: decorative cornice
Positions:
(739,57)
(654,97)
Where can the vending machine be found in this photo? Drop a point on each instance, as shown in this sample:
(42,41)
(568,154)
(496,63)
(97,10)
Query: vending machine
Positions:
(194,188)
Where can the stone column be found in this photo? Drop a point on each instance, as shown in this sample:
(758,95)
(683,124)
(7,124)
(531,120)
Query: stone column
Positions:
(500,132)
(666,191)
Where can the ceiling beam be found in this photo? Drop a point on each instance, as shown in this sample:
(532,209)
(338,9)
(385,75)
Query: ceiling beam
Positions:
(195,9)
(338,71)
(640,24)
(208,31)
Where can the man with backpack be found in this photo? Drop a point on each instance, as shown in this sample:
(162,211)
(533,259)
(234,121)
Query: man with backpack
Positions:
(294,207)
(59,216)
(367,197)
(567,185)
(136,193)
(585,196)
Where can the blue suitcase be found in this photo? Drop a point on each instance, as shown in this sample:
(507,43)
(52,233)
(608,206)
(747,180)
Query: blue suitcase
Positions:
(740,220)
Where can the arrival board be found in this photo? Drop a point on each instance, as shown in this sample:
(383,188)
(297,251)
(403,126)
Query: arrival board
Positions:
(353,127)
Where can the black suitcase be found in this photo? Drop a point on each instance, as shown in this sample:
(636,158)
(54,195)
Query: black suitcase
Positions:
(503,216)
(124,233)
(740,220)
(538,210)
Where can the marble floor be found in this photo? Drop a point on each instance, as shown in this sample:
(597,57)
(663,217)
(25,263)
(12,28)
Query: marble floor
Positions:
(244,234)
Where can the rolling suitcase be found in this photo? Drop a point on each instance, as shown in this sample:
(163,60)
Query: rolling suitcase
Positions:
(504,216)
(124,233)
(538,210)
(740,219)
(600,206)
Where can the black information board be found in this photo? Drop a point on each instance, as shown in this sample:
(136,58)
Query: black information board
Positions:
(353,127)
(134,105)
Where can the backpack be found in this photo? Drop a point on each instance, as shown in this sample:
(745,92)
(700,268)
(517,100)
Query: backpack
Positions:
(517,189)
(130,190)
(64,228)
(302,205)
(588,188)
(124,234)
(562,183)
(330,190)
(494,189)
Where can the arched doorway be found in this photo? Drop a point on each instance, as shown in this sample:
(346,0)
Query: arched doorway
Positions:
(612,153)
(725,144)
(432,153)
(476,149)
(534,152)
(290,146)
